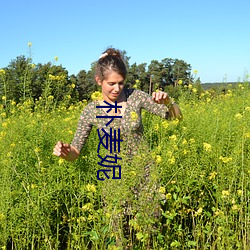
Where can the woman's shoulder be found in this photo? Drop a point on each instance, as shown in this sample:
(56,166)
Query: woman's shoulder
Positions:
(136,93)
(89,108)
(90,105)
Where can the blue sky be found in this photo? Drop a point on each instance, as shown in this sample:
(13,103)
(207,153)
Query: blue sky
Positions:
(212,36)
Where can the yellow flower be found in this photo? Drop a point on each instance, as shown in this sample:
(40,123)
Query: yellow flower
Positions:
(87,207)
(171,160)
(133,116)
(175,122)
(81,219)
(212,175)
(90,217)
(158,159)
(37,149)
(9,154)
(168,196)
(4,124)
(73,85)
(169,153)
(61,161)
(97,96)
(180,82)
(135,86)
(2,217)
(108,215)
(29,44)
(238,116)
(207,147)
(50,97)
(195,71)
(164,124)
(239,192)
(91,188)
(194,90)
(229,93)
(137,81)
(225,193)
(235,207)
(198,212)
(162,190)
(218,212)
(246,108)
(3,97)
(156,127)
(2,72)
(51,77)
(184,141)
(225,159)
(191,140)
(56,58)
(173,137)
(247,135)
(133,173)
(67,119)
(190,86)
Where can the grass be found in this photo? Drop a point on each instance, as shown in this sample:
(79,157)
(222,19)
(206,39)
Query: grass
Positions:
(201,168)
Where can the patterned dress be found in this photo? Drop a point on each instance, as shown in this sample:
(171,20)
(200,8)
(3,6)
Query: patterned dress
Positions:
(130,125)
(137,193)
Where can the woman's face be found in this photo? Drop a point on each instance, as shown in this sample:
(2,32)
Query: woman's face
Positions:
(112,86)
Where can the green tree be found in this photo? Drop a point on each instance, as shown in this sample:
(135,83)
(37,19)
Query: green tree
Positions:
(155,70)
(181,71)
(86,84)
(138,73)
(18,79)
(168,72)
(52,80)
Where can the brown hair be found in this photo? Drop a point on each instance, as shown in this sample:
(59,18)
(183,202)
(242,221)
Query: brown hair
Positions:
(110,60)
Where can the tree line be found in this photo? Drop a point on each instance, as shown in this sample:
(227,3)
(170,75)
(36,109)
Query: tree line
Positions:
(22,79)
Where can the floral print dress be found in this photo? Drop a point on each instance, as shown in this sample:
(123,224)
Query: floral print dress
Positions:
(142,186)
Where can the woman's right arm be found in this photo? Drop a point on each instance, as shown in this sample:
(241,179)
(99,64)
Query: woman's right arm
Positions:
(66,151)
(70,152)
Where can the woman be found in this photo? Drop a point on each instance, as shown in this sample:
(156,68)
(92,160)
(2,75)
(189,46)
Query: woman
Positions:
(110,74)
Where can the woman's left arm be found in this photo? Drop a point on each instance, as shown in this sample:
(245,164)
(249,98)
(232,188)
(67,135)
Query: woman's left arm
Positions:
(161,97)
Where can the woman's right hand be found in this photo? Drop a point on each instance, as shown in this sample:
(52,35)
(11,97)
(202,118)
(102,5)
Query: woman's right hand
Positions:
(61,149)
(66,151)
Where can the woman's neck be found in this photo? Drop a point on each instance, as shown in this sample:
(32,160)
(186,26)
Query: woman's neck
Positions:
(121,99)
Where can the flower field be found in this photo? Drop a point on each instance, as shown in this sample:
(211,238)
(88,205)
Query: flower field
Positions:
(201,165)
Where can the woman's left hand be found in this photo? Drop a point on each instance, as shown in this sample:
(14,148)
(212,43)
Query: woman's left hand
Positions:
(161,97)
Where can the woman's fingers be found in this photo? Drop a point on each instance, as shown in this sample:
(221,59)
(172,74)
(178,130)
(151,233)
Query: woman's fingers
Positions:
(61,149)
(160,97)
